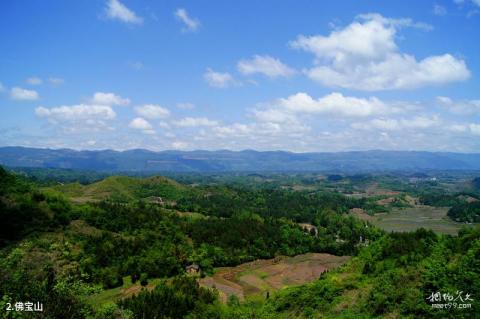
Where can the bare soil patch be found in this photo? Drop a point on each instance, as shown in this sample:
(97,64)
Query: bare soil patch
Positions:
(259,276)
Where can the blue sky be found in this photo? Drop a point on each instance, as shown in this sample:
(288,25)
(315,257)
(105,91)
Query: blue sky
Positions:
(290,75)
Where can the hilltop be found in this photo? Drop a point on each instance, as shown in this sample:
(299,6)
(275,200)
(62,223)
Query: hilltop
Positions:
(124,188)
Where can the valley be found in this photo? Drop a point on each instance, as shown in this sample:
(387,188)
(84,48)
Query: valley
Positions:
(277,245)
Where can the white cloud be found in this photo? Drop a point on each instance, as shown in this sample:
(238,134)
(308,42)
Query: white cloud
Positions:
(76,112)
(264,134)
(117,11)
(365,56)
(439,10)
(56,81)
(337,104)
(191,24)
(462,107)
(186,106)
(18,93)
(194,122)
(76,118)
(34,80)
(218,79)
(381,124)
(2,88)
(274,116)
(236,129)
(152,111)
(103,98)
(266,65)
(385,124)
(422,122)
(141,124)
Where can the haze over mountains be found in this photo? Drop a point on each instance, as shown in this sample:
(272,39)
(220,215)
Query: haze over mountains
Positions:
(225,161)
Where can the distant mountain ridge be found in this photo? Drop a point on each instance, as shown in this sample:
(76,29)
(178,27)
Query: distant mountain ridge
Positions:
(139,160)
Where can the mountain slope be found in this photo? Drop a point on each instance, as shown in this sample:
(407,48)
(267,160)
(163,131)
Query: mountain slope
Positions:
(248,160)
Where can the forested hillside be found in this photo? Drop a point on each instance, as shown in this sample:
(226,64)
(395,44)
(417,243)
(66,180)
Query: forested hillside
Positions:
(119,248)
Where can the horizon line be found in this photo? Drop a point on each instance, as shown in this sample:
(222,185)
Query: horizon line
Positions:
(233,151)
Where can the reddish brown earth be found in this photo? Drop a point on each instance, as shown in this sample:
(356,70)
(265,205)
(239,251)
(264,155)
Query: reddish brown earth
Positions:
(260,276)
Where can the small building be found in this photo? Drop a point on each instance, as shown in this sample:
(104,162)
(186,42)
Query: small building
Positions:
(193,269)
(309,228)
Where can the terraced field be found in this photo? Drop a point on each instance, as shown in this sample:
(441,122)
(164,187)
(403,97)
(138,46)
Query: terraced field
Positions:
(262,276)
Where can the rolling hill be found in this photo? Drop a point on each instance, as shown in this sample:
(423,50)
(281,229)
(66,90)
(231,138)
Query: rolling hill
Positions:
(124,188)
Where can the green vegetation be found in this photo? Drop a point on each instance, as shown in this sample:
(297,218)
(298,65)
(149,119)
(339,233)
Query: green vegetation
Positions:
(119,247)
(393,278)
(466,212)
(24,209)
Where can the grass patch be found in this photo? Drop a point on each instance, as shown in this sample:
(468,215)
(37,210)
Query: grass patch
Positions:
(128,289)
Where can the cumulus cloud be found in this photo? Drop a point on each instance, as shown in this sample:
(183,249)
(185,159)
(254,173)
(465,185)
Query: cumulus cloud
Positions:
(81,117)
(262,134)
(152,111)
(218,79)
(115,10)
(190,24)
(336,104)
(293,116)
(274,116)
(34,80)
(462,107)
(195,122)
(76,112)
(264,64)
(141,124)
(20,94)
(103,98)
(365,56)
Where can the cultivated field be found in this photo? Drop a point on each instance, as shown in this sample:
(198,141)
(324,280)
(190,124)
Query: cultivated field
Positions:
(261,276)
(408,219)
